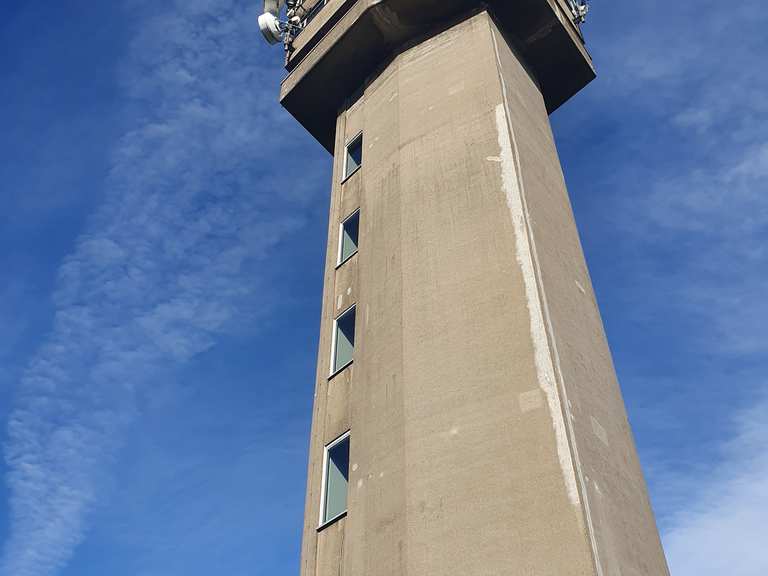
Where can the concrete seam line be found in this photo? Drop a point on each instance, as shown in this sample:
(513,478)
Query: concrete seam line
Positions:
(504,120)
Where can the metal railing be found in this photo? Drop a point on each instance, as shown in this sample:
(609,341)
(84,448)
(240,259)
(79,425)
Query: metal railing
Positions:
(579,9)
(299,19)
(314,11)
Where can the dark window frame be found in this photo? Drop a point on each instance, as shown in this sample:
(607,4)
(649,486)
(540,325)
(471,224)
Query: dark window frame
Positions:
(336,367)
(358,139)
(325,520)
(340,258)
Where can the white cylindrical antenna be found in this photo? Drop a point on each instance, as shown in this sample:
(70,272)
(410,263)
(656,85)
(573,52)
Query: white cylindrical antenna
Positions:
(269,22)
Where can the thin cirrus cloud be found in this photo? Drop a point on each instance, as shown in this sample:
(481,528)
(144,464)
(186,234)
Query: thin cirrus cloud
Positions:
(703,202)
(165,266)
(722,530)
(689,187)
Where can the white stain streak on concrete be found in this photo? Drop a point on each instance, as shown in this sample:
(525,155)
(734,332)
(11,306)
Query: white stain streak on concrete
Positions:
(530,401)
(502,112)
(543,356)
(599,431)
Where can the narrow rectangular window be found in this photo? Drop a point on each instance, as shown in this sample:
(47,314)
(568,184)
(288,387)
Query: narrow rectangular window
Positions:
(348,237)
(335,480)
(353,158)
(343,340)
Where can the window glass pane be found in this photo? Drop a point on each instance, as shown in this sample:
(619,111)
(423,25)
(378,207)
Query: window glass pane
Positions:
(337,478)
(349,233)
(354,156)
(345,340)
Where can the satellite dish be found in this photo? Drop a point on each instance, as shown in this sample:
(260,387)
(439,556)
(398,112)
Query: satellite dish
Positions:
(270,28)
(269,22)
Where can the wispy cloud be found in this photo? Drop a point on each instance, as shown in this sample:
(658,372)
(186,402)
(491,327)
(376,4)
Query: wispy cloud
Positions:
(691,179)
(720,212)
(168,263)
(722,531)
(692,183)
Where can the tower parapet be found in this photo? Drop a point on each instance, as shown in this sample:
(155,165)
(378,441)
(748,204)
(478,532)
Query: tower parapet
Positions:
(341,43)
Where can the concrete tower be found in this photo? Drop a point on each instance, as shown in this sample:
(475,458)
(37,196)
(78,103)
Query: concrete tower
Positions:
(467,417)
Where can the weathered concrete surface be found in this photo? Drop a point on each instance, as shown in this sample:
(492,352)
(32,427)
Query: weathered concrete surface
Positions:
(488,432)
(612,487)
(350,40)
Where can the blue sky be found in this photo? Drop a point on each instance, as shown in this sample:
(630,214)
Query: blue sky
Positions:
(162,262)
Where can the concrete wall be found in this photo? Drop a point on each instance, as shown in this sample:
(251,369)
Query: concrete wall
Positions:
(350,40)
(611,481)
(488,433)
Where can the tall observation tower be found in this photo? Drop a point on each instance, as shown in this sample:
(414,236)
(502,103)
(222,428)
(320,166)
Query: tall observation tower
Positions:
(467,417)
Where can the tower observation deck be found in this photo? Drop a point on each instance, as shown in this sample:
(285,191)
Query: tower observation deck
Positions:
(467,418)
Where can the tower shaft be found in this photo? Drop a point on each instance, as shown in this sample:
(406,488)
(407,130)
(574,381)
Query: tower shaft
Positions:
(469,423)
